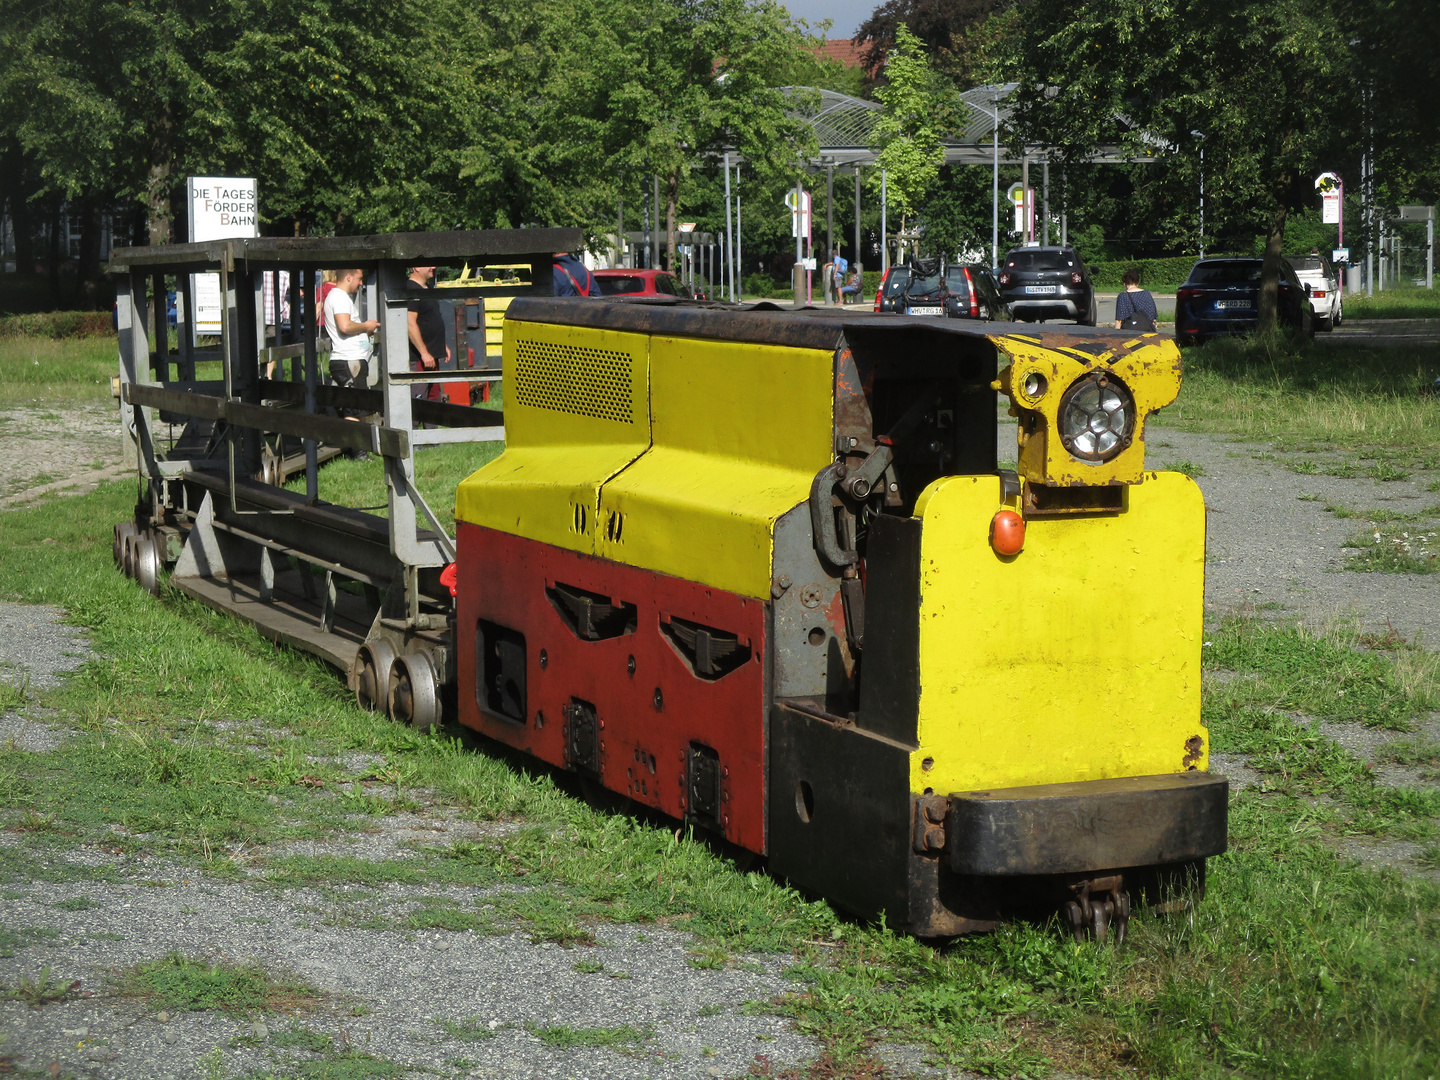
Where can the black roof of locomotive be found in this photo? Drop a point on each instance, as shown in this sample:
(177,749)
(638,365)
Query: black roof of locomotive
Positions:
(766,323)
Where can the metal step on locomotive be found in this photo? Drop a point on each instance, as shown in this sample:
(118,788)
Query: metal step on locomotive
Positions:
(760,570)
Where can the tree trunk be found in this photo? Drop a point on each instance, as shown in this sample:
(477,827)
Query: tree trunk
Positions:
(672,195)
(158,183)
(57,250)
(1270,269)
(88,270)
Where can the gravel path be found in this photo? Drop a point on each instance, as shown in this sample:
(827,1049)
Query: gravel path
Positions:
(58,448)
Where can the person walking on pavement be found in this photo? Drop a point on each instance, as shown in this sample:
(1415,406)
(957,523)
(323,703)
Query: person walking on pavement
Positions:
(1135,307)
(427,333)
(571,277)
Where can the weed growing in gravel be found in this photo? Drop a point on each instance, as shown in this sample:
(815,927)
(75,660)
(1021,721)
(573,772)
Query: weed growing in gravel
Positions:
(564,1037)
(12,940)
(1188,468)
(588,967)
(76,903)
(178,982)
(1394,549)
(1381,517)
(37,993)
(301,1038)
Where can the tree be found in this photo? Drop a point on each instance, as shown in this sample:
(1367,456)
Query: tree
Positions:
(1265,81)
(917,108)
(958,34)
(697,80)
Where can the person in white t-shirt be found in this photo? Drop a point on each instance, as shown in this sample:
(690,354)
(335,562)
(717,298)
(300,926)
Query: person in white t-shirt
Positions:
(350,336)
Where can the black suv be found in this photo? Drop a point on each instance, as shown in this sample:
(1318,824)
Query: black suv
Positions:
(926,287)
(1042,283)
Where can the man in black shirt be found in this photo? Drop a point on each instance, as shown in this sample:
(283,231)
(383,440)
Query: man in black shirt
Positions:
(427,333)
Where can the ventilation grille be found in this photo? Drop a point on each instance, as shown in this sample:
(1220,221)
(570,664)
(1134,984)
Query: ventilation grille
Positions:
(574,379)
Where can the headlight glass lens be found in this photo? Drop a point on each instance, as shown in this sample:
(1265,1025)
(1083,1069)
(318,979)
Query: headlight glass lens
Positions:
(1096,417)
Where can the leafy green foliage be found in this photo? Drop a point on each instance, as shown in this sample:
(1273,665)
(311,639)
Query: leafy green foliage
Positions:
(565,1037)
(907,136)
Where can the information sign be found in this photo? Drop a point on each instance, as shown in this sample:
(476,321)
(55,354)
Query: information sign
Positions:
(220,208)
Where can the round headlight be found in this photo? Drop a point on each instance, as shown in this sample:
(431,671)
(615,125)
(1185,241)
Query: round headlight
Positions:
(1097,417)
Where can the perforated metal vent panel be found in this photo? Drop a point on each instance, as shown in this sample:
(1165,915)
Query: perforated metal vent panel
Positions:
(574,379)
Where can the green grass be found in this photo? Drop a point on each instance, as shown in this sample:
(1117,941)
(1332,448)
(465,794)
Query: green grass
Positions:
(1366,403)
(564,1037)
(1406,303)
(45,369)
(1296,964)
(1396,549)
(180,983)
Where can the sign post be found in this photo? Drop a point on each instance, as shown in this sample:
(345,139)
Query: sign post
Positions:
(1332,202)
(221,208)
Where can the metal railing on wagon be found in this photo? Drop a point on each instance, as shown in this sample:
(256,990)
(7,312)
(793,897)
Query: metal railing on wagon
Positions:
(362,591)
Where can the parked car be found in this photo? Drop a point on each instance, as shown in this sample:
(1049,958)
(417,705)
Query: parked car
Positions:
(892,287)
(1222,297)
(958,291)
(1327,301)
(1040,283)
(641,282)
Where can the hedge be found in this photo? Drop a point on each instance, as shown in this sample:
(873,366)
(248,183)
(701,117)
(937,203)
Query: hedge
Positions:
(58,324)
(1163,275)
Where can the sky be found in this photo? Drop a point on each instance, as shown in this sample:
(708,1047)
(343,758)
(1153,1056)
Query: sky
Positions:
(847,15)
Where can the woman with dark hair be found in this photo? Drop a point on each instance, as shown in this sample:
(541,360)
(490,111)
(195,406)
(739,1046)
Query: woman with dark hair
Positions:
(1135,307)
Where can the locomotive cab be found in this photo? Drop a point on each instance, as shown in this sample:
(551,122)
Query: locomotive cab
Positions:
(762,571)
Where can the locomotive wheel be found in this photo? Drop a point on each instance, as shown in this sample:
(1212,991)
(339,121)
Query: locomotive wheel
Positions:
(414,693)
(146,562)
(1122,917)
(372,675)
(123,530)
(1099,920)
(127,553)
(1075,919)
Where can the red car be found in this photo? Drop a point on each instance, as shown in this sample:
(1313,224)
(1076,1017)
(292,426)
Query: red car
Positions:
(642,283)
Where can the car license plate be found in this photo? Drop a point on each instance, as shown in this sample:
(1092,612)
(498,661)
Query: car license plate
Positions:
(1221,305)
(927,310)
(1041,290)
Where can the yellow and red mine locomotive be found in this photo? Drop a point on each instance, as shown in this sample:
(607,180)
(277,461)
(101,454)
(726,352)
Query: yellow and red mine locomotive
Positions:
(761,571)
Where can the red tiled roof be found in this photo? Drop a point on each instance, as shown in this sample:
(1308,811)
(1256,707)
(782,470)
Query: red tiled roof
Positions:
(845,51)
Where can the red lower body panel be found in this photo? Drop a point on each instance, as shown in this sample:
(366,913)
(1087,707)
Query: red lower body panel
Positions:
(650,706)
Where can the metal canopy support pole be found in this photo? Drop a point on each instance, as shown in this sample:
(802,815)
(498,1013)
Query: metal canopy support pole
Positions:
(995,188)
(1064,207)
(1430,250)
(829,226)
(884,226)
(1027,213)
(739,262)
(727,263)
(1045,205)
(859,258)
(655,205)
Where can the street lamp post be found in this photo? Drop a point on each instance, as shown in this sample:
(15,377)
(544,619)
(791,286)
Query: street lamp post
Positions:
(1199,136)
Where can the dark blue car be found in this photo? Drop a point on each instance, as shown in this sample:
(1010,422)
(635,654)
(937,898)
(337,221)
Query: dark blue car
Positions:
(1222,297)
